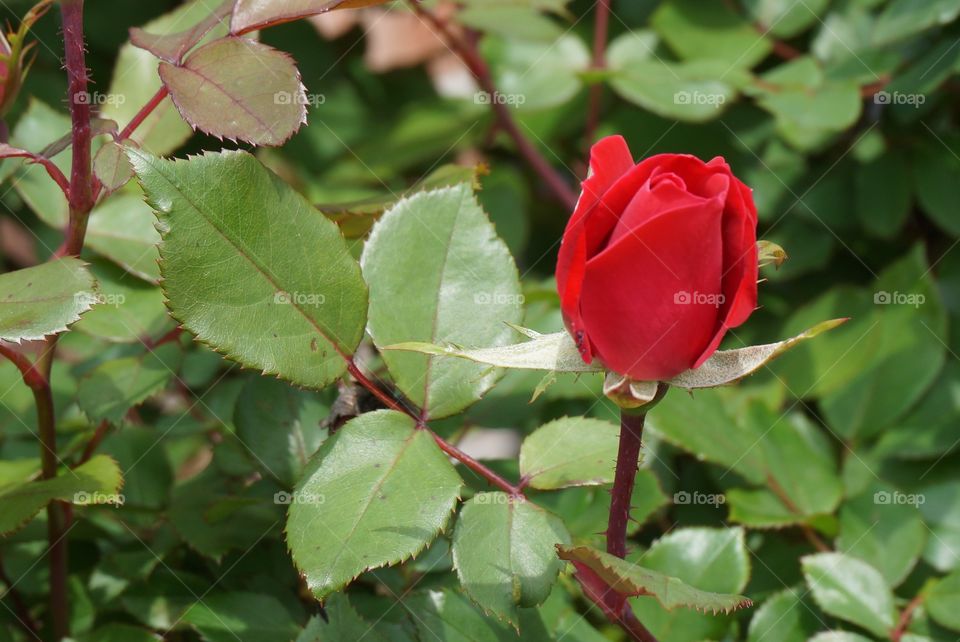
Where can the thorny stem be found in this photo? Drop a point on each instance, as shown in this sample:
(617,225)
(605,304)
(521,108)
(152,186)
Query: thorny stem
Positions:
(465,459)
(466,50)
(628,456)
(600,28)
(81,175)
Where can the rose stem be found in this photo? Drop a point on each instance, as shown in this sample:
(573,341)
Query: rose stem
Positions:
(601,22)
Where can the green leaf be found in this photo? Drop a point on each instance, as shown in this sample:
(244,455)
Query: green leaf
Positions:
(536,75)
(555,352)
(148,475)
(130,309)
(513,21)
(711,30)
(135,78)
(448,615)
(695,91)
(280,293)
(342,624)
(760,509)
(941,513)
(709,558)
(809,109)
(908,331)
(45,299)
(851,590)
(213,519)
(883,195)
(280,426)
(503,550)
(251,15)
(933,167)
(121,229)
(942,600)
(251,617)
(112,167)
(172,47)
(460,285)
(728,366)
(356,218)
(903,18)
(929,429)
(240,89)
(785,617)
(631,579)
(785,18)
(97,481)
(112,388)
(844,636)
(376,493)
(572,451)
(883,528)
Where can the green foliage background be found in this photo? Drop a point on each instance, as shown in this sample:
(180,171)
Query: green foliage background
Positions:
(824,488)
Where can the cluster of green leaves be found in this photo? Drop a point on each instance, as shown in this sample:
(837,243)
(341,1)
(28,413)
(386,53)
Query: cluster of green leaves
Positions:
(256,478)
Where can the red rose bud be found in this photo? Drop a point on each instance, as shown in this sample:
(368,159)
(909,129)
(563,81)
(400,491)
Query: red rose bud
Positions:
(657,262)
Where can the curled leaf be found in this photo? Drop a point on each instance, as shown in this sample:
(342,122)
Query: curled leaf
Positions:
(729,366)
(633,580)
(555,352)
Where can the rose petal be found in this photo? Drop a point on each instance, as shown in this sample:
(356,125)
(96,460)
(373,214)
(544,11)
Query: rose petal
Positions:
(609,160)
(636,323)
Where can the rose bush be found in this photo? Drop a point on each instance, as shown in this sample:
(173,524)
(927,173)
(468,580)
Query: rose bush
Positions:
(658,261)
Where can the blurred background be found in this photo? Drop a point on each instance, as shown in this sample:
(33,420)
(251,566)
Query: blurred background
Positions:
(840,114)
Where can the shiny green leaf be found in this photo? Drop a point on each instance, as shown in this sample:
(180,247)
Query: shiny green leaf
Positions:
(280,293)
(503,551)
(376,493)
(460,285)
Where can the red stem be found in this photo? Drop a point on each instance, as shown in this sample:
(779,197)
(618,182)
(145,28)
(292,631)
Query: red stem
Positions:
(628,456)
(905,617)
(476,466)
(446,447)
(467,51)
(31,376)
(600,28)
(81,175)
(143,114)
(378,392)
